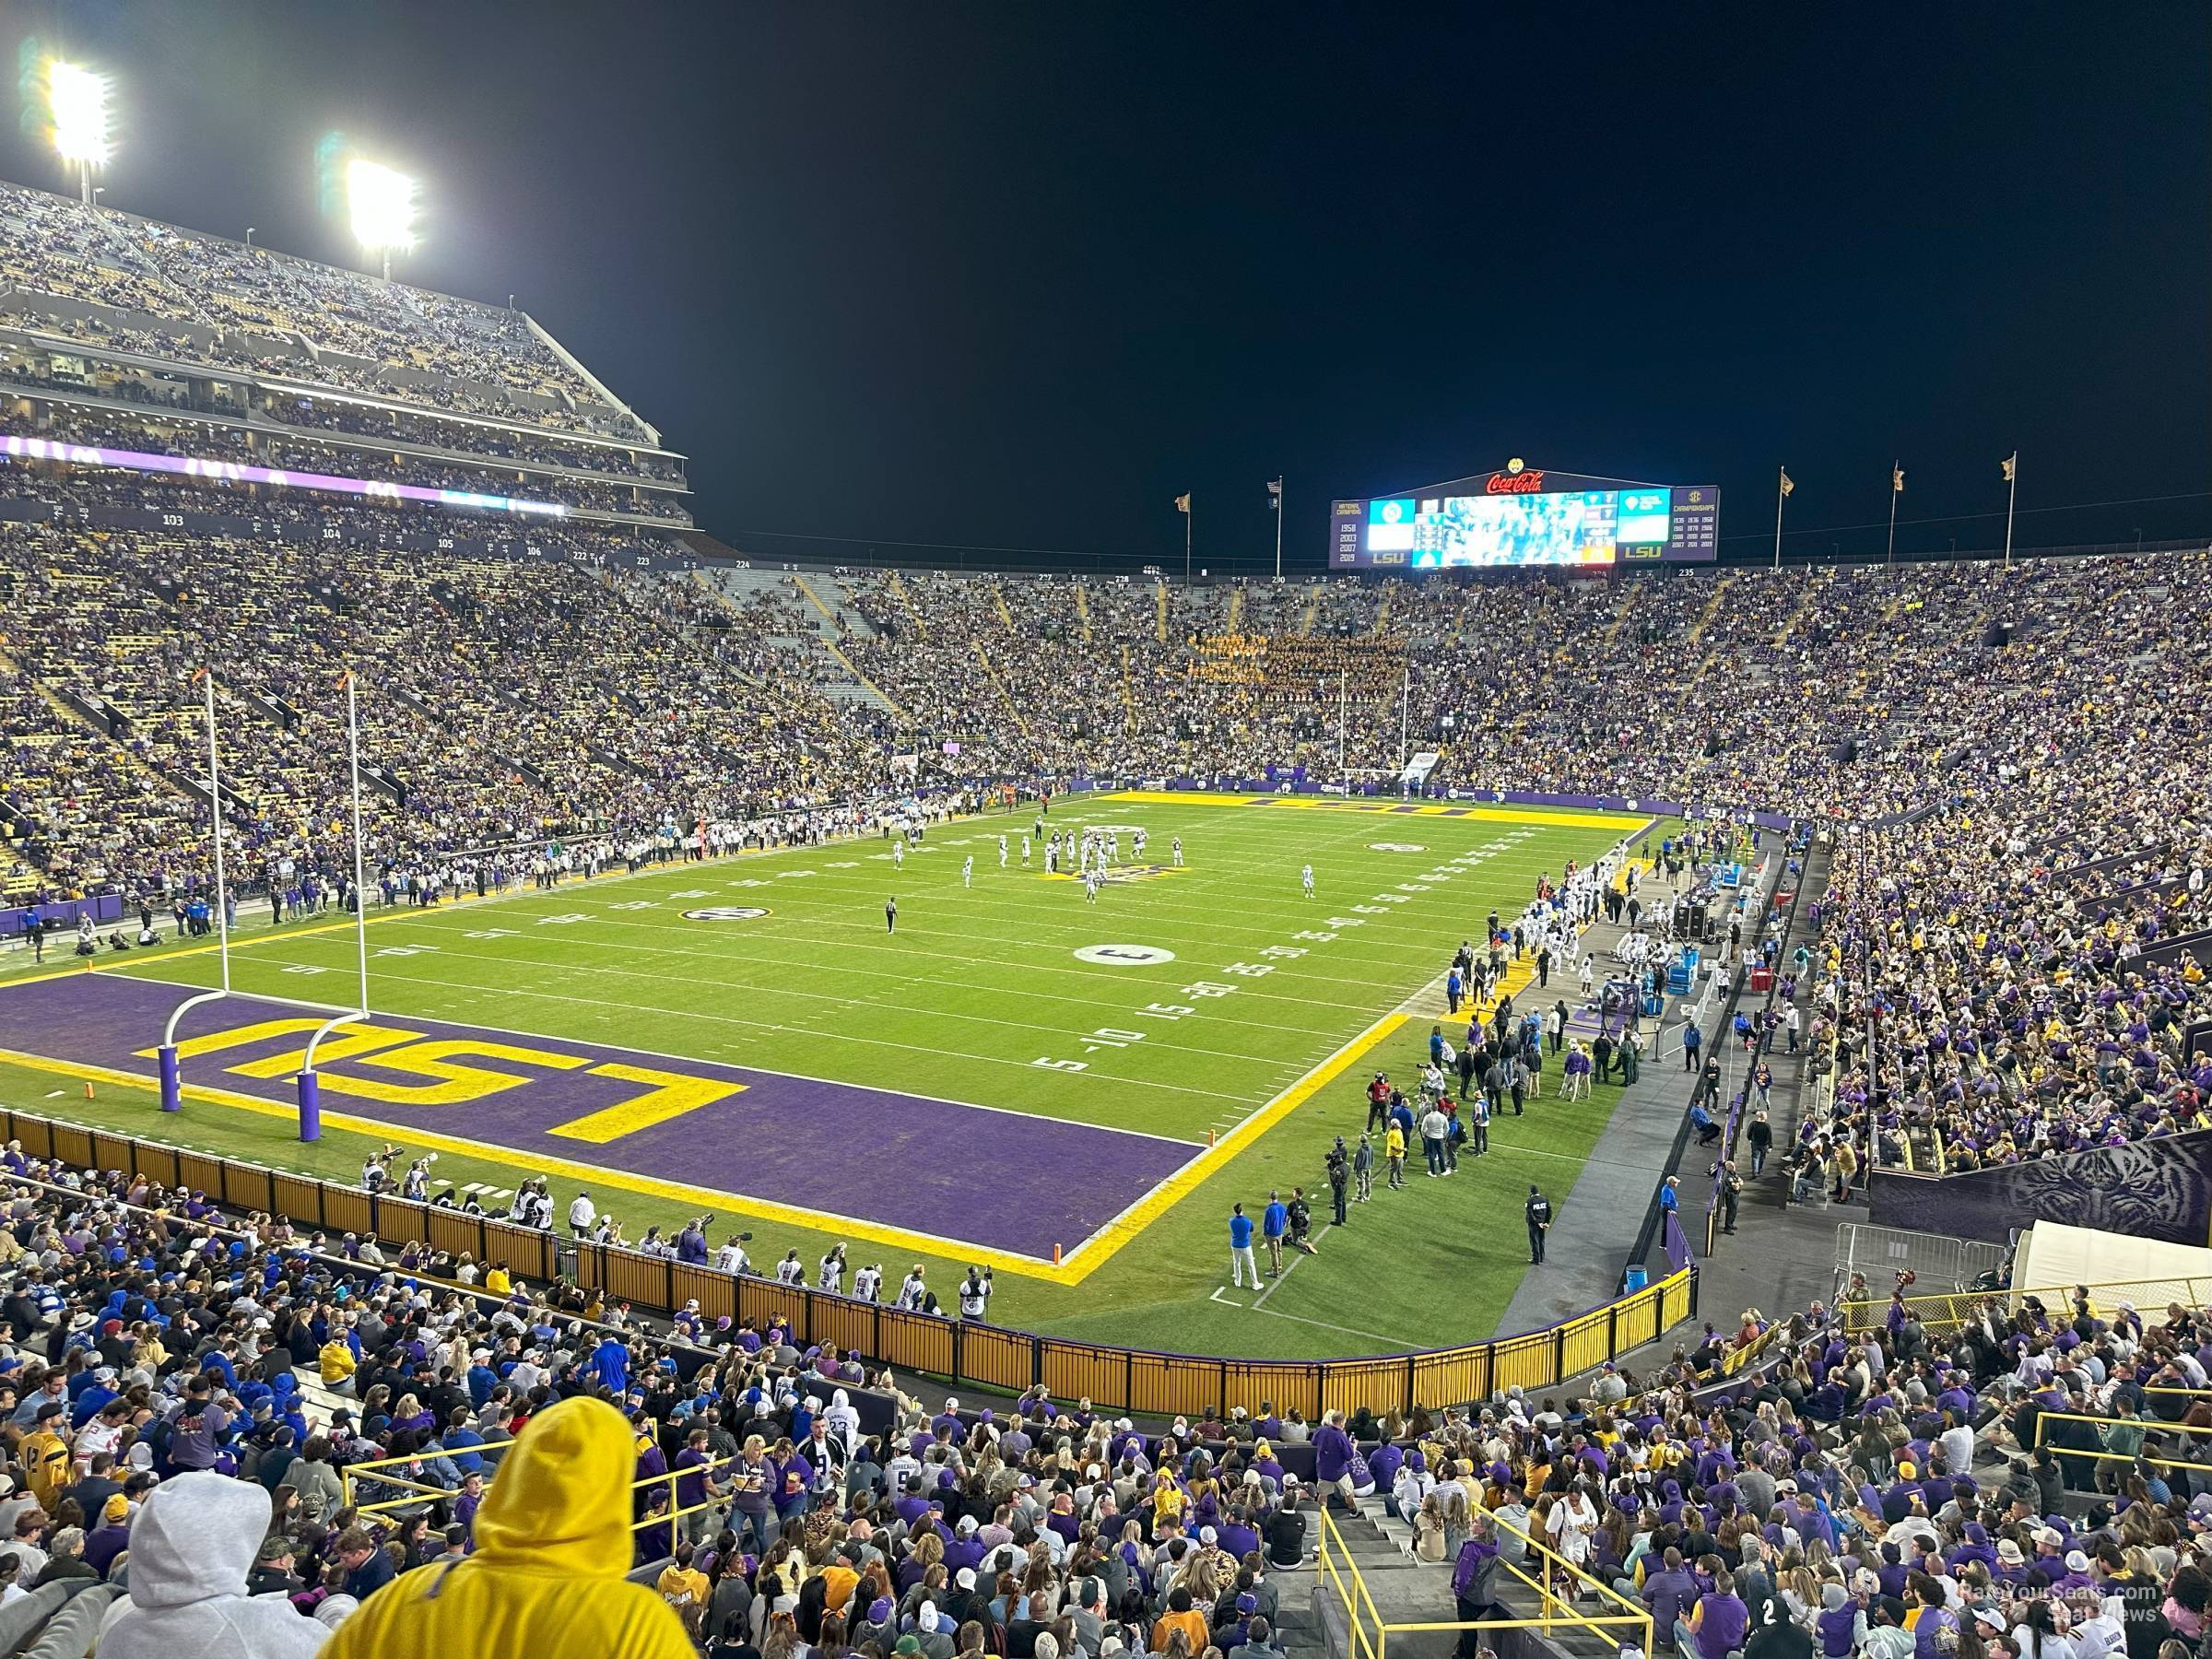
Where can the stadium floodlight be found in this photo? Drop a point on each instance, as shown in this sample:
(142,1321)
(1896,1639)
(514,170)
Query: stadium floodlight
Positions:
(380,202)
(77,102)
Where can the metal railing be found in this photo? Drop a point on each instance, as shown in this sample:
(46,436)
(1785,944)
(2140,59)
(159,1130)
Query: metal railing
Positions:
(1946,1311)
(417,1494)
(1556,1584)
(2112,1437)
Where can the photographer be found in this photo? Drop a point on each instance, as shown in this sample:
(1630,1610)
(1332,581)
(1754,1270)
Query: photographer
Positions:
(976,1293)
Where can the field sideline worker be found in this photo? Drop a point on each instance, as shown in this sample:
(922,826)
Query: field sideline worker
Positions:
(546,1580)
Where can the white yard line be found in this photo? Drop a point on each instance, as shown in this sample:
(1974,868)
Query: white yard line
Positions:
(1321,1324)
(1291,1268)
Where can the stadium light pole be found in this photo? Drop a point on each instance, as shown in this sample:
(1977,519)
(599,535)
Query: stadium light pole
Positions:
(310,1087)
(76,103)
(381,202)
(172,1087)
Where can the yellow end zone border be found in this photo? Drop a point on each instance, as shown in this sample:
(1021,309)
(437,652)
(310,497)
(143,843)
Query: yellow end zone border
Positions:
(1560,818)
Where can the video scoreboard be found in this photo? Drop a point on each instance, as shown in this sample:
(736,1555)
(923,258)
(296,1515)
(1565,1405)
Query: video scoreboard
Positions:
(1525,515)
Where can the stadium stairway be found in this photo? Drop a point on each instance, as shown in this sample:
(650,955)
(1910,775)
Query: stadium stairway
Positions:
(1405,1591)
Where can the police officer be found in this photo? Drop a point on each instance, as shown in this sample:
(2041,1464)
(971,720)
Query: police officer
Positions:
(1538,1214)
(1340,1176)
(1731,1188)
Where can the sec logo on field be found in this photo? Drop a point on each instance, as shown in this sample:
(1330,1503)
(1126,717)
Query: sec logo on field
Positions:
(726,912)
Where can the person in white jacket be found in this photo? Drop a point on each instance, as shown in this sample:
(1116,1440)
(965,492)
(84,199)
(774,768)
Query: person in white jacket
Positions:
(193,1539)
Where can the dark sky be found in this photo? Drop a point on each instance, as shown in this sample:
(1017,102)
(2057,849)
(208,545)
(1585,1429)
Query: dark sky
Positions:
(1016,275)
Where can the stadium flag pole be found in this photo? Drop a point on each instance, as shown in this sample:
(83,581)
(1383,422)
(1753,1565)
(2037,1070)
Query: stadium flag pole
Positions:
(1404,710)
(2012,493)
(1275,499)
(1897,488)
(311,1088)
(1783,487)
(172,1087)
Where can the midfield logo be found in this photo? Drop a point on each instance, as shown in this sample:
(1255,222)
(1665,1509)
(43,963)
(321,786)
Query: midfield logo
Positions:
(1122,874)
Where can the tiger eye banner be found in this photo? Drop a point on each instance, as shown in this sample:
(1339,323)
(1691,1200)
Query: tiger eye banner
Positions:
(2149,1189)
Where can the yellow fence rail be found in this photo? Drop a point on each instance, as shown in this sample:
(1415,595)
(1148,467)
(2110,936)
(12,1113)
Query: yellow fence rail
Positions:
(414,1493)
(1556,1584)
(1132,1380)
(2111,1433)
(1947,1312)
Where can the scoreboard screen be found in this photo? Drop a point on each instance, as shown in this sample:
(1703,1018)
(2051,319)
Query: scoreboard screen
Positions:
(1525,516)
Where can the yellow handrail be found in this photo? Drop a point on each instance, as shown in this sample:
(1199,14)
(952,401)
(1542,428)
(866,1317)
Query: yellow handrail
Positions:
(367,1465)
(1370,1640)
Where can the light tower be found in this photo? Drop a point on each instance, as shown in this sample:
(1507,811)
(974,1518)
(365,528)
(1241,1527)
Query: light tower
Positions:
(381,202)
(76,104)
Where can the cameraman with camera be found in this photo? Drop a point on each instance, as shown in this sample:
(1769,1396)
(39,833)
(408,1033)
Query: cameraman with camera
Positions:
(975,1292)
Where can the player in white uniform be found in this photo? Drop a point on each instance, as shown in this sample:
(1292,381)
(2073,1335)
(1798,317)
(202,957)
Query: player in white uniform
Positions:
(1002,852)
(1306,876)
(899,851)
(1025,851)
(1090,886)
(1140,843)
(1175,846)
(968,870)
(1052,857)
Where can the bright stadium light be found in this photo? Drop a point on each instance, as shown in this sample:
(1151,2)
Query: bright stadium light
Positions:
(381,202)
(77,102)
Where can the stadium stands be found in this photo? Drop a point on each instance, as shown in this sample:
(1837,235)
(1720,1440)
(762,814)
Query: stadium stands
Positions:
(2007,1464)
(2012,943)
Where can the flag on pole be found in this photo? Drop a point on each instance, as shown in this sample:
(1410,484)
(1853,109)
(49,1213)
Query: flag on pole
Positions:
(1183,503)
(2010,462)
(1789,485)
(1275,495)
(1896,480)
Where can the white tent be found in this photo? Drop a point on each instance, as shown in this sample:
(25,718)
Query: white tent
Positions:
(2052,1255)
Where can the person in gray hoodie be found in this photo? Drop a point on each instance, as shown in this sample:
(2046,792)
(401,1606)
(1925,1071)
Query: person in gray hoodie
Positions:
(191,1547)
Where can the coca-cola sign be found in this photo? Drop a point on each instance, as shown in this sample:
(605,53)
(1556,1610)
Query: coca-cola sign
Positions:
(1514,483)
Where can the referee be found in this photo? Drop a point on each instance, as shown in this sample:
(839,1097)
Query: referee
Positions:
(890,916)
(1538,1213)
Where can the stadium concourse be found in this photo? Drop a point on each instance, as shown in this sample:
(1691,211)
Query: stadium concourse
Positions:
(232,469)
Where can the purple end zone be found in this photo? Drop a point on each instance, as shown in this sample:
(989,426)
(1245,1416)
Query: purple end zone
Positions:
(1005,1179)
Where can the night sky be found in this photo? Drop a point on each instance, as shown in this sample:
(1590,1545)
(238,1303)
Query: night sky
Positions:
(1015,275)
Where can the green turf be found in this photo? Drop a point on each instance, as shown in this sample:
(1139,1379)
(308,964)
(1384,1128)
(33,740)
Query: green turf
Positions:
(978,986)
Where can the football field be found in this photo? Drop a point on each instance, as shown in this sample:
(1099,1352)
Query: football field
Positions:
(1073,1092)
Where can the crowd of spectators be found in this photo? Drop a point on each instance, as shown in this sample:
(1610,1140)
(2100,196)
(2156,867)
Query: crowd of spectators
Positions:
(182,1396)
(230,306)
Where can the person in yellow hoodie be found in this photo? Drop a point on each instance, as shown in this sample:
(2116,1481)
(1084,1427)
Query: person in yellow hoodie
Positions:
(334,1360)
(547,1575)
